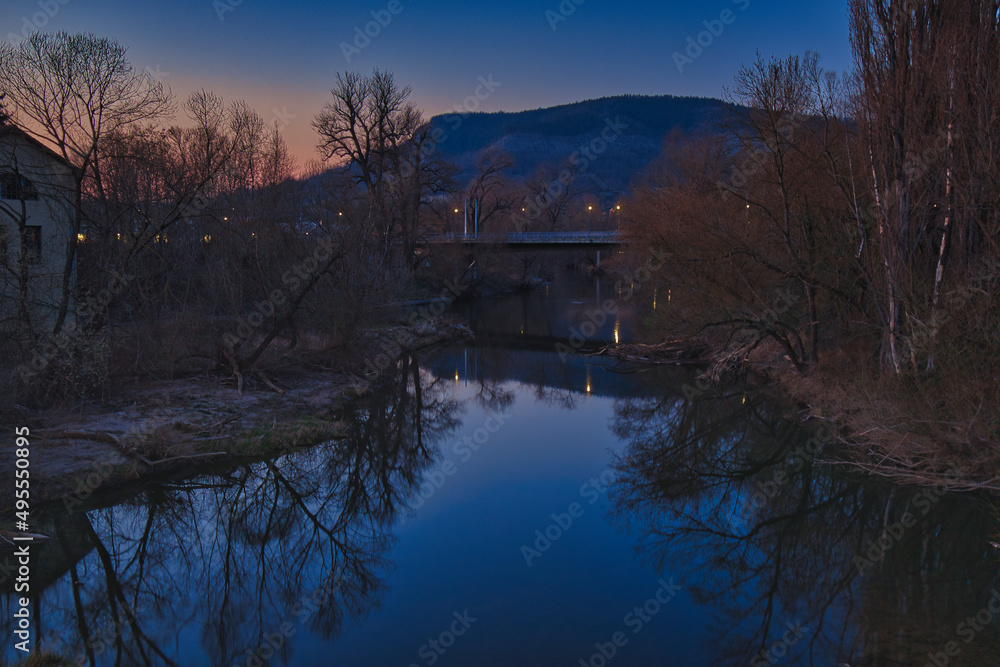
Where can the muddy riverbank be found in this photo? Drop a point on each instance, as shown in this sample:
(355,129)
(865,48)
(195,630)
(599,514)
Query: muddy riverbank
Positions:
(183,426)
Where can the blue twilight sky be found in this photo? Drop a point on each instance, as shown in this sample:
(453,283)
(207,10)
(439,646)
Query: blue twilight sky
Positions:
(282,57)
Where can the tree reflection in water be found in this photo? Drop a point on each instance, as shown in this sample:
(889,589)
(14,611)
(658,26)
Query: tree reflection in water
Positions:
(713,488)
(224,561)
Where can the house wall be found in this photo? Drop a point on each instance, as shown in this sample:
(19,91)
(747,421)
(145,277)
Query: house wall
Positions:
(52,212)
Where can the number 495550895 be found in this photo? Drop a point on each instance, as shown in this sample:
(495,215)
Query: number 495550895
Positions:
(22,482)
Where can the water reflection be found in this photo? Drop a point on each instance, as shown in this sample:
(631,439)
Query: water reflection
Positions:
(239,564)
(802,565)
(574,312)
(785,559)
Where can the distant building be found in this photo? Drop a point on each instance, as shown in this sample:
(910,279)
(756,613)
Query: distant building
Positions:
(36,207)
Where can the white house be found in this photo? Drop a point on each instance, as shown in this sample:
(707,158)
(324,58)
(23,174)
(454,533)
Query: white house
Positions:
(37,197)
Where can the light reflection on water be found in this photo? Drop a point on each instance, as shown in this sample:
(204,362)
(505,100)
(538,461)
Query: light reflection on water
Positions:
(553,502)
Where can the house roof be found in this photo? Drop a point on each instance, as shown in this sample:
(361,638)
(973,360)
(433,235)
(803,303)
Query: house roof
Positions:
(15,131)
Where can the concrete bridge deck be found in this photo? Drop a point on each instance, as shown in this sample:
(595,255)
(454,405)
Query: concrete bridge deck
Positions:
(532,240)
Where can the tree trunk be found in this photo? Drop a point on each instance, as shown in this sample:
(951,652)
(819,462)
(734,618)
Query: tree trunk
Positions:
(68,266)
(948,216)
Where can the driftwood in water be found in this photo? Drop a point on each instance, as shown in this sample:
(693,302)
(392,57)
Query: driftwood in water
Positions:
(667,352)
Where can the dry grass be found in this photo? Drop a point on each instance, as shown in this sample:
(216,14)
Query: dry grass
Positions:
(940,428)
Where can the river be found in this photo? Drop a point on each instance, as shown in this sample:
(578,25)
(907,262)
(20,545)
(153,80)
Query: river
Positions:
(510,501)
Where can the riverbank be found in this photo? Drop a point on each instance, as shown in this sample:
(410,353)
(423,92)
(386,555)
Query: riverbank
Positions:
(895,427)
(180,427)
(892,426)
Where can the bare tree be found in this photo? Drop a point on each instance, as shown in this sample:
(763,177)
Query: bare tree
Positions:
(926,105)
(758,221)
(367,124)
(73,91)
(366,127)
(548,199)
(778,99)
(418,179)
(489,185)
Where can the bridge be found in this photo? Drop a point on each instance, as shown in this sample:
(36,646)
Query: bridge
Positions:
(532,240)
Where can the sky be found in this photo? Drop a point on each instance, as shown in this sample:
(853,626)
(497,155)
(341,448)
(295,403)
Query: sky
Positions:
(282,58)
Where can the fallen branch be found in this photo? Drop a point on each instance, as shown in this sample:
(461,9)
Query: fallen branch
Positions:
(668,352)
(268,382)
(97,436)
(189,456)
(236,370)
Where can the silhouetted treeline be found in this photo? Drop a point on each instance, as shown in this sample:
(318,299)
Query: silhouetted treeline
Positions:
(858,210)
(187,240)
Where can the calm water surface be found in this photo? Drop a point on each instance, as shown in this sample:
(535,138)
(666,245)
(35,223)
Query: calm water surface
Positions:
(502,504)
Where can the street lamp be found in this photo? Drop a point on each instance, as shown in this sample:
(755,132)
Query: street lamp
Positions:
(589,209)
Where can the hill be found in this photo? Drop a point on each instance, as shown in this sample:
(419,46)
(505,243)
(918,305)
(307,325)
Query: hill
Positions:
(633,129)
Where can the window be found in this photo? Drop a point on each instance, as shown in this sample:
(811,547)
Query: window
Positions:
(15,186)
(33,242)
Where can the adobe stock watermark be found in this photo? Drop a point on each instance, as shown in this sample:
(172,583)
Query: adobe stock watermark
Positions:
(580,160)
(282,117)
(156,74)
(432,651)
(562,13)
(92,479)
(635,621)
(596,318)
(438,136)
(783,301)
(372,29)
(796,460)
(464,449)
(774,653)
(293,278)
(106,638)
(916,165)
(303,610)
(893,533)
(223,7)
(48,9)
(94,306)
(714,28)
(591,491)
(967,630)
(786,128)
(392,346)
